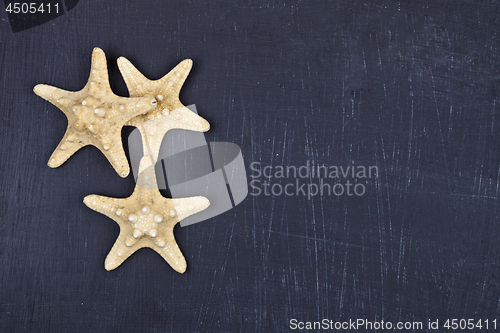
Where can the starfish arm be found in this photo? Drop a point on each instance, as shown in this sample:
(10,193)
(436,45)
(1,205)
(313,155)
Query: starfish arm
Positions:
(154,130)
(167,247)
(185,207)
(146,150)
(186,119)
(106,205)
(137,83)
(125,245)
(56,96)
(172,82)
(146,179)
(98,83)
(114,152)
(152,135)
(69,145)
(126,108)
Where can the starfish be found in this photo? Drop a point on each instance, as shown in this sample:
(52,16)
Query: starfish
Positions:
(95,116)
(169,113)
(146,219)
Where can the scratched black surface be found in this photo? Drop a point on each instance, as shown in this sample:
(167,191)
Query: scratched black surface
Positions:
(411,88)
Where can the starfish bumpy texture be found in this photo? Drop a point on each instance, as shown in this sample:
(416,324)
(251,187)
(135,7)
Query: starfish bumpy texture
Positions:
(95,116)
(169,113)
(146,219)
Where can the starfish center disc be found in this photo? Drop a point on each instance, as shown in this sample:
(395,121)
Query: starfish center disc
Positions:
(145,222)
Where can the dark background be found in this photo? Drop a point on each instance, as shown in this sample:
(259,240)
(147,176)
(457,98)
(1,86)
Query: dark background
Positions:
(411,88)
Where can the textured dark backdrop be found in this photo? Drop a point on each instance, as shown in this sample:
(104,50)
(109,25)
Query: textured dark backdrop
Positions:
(411,88)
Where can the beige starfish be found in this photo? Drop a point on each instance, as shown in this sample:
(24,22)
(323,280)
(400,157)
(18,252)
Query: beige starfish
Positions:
(95,116)
(169,113)
(146,219)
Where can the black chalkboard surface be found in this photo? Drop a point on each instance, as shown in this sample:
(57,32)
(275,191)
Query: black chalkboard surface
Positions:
(406,94)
